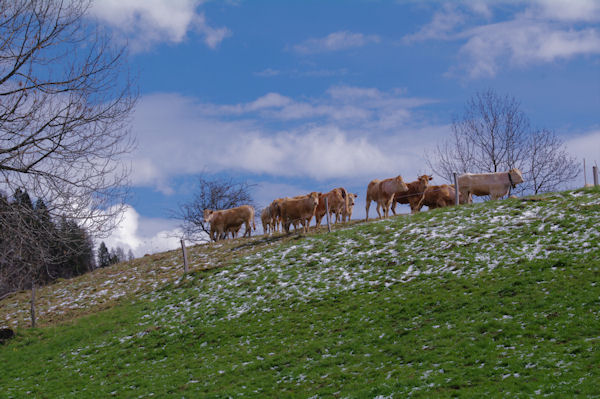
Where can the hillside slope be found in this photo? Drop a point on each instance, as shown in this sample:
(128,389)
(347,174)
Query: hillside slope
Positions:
(498,299)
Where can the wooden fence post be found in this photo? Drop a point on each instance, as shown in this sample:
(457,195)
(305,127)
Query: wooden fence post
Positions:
(595,171)
(32,305)
(456,193)
(327,210)
(185,261)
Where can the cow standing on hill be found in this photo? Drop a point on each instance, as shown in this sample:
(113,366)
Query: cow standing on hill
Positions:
(336,203)
(298,210)
(347,214)
(496,185)
(382,192)
(229,221)
(414,195)
(267,220)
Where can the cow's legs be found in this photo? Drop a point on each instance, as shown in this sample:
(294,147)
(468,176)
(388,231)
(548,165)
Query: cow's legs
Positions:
(367,209)
(394,207)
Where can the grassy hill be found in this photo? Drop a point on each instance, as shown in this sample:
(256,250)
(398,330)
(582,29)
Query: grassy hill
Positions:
(500,299)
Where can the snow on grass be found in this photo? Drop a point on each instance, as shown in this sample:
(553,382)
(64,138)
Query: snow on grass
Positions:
(396,251)
(467,240)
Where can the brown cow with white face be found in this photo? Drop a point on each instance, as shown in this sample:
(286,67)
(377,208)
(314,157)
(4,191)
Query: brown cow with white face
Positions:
(414,195)
(496,185)
(229,221)
(383,192)
(299,210)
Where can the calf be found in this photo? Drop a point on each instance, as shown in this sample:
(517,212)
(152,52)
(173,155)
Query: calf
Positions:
(440,196)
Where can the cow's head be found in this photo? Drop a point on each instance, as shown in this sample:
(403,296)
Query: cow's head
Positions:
(208,215)
(351,198)
(424,180)
(401,185)
(516,176)
(315,198)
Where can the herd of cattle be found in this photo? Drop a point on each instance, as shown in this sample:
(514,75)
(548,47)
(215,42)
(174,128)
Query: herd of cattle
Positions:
(298,211)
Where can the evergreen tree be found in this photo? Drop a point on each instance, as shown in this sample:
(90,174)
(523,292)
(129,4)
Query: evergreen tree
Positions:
(103,255)
(120,254)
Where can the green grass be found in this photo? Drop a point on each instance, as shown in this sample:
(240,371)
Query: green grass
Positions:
(489,300)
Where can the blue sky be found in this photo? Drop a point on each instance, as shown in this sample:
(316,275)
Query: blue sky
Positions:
(298,96)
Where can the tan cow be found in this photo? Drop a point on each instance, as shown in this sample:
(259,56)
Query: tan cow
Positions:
(441,196)
(229,221)
(275,210)
(382,192)
(336,203)
(347,215)
(267,220)
(299,210)
(414,195)
(496,185)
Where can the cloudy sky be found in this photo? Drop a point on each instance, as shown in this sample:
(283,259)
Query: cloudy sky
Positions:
(306,96)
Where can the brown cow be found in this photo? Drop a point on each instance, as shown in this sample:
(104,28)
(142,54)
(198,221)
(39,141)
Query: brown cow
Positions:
(441,196)
(298,210)
(382,192)
(229,221)
(414,195)
(496,185)
(335,202)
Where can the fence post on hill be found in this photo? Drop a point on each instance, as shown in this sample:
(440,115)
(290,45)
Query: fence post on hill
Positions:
(185,261)
(595,172)
(32,310)
(456,193)
(327,213)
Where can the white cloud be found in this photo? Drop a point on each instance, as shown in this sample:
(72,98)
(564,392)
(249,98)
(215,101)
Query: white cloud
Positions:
(147,22)
(441,27)
(522,43)
(336,41)
(566,10)
(542,32)
(143,235)
(349,133)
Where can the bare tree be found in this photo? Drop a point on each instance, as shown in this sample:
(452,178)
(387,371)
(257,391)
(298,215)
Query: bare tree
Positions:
(549,164)
(212,194)
(65,102)
(494,135)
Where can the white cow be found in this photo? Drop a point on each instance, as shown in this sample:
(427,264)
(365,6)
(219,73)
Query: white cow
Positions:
(496,185)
